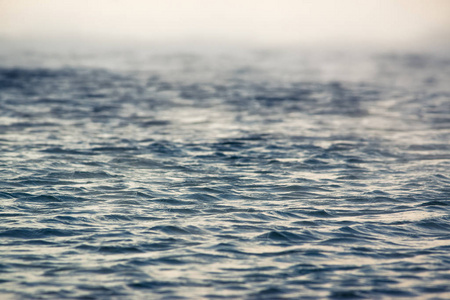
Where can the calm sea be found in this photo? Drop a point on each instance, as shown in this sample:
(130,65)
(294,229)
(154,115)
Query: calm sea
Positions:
(243,175)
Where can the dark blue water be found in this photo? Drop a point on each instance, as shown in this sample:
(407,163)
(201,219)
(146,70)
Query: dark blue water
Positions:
(259,175)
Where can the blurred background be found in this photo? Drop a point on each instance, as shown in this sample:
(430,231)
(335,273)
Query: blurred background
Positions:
(386,24)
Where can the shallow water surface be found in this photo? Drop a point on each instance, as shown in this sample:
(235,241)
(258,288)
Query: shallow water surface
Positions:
(258,176)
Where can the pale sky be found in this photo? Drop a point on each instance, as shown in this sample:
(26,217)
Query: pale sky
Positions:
(259,21)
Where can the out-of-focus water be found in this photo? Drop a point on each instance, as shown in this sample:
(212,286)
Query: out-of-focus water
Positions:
(259,175)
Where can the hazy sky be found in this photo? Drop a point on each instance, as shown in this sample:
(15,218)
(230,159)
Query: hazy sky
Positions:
(260,21)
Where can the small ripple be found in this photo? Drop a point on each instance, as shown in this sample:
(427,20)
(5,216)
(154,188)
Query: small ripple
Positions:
(28,233)
(286,236)
(81,175)
(119,249)
(176,230)
(434,203)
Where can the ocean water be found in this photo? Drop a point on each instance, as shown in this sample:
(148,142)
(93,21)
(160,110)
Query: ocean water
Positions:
(253,175)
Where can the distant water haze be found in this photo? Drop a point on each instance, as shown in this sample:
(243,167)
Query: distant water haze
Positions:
(393,24)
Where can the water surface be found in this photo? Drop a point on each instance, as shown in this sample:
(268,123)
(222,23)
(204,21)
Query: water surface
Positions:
(259,175)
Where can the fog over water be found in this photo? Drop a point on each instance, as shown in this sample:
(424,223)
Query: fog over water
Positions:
(386,23)
(254,155)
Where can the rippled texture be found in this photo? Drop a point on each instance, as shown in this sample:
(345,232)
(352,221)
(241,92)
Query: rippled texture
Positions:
(260,176)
